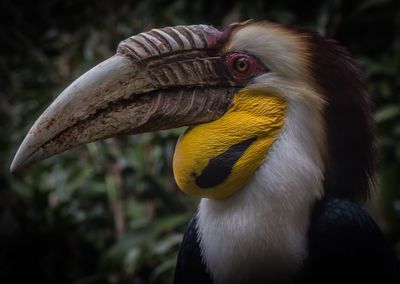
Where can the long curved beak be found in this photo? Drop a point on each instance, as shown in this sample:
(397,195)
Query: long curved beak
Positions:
(161,79)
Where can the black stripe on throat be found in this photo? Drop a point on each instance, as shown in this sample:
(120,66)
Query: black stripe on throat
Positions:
(219,167)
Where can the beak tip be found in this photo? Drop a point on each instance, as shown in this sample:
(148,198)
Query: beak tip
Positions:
(17,164)
(21,159)
(15,167)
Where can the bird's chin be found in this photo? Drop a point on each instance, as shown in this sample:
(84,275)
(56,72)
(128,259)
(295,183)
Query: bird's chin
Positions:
(216,159)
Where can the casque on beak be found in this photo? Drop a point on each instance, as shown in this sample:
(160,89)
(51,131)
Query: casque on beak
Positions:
(161,79)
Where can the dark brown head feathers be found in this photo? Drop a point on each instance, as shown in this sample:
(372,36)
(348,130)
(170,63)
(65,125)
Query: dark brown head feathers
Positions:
(349,123)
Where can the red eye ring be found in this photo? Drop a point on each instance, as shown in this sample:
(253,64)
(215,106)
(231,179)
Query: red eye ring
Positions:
(242,66)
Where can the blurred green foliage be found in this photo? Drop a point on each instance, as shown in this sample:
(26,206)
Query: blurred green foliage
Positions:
(110,212)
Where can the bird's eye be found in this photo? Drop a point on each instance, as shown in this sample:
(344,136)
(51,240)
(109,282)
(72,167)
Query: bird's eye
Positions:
(243,66)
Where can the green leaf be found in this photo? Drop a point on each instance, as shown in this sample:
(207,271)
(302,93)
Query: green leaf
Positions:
(387,113)
(131,260)
(167,243)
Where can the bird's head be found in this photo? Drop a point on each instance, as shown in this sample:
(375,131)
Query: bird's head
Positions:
(237,88)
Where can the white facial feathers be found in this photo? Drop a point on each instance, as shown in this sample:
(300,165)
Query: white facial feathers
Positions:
(279,49)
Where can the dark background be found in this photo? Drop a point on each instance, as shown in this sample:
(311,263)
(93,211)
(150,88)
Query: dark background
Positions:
(110,212)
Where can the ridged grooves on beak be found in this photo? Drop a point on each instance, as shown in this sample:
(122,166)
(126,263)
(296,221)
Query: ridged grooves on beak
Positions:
(161,79)
(169,40)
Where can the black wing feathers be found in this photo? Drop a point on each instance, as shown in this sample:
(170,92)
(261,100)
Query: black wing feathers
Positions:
(190,267)
(345,245)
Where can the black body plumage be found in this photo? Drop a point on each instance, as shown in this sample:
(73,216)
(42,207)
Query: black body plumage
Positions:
(190,267)
(344,246)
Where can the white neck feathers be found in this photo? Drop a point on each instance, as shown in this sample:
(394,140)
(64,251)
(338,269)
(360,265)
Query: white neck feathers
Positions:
(260,232)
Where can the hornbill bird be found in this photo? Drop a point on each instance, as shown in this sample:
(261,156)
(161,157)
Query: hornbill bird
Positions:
(279,147)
